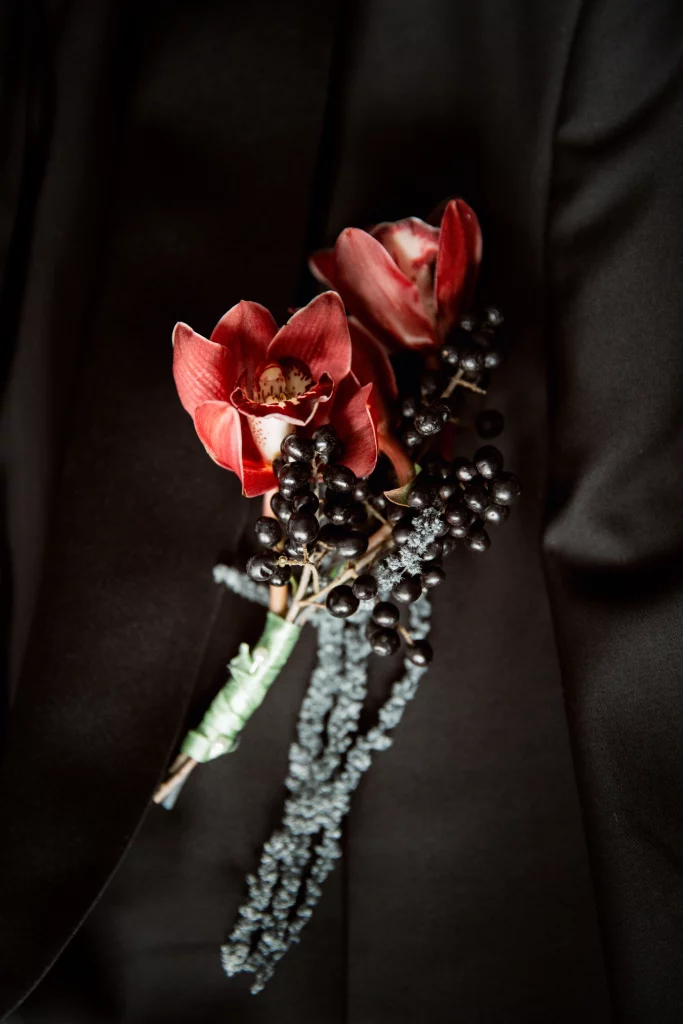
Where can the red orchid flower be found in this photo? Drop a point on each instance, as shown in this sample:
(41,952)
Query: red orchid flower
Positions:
(406,281)
(370,363)
(251,384)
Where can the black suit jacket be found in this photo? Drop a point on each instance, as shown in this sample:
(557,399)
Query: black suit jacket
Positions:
(516,856)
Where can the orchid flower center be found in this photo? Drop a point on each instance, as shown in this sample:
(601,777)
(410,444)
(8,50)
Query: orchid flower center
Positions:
(282,382)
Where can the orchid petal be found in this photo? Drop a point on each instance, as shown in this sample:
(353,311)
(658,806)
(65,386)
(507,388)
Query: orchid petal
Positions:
(246,330)
(371,365)
(202,370)
(262,439)
(352,420)
(413,246)
(318,336)
(322,264)
(457,264)
(378,293)
(404,467)
(219,429)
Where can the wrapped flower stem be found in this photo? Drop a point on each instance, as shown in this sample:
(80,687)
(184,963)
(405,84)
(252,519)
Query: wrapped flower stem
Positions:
(252,673)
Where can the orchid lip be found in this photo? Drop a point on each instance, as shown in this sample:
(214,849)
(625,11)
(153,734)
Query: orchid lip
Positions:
(296,408)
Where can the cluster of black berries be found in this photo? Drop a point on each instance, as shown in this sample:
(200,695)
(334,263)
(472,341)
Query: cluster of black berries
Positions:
(468,493)
(297,507)
(472,353)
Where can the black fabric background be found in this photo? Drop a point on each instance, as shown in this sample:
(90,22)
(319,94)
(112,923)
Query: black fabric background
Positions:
(516,857)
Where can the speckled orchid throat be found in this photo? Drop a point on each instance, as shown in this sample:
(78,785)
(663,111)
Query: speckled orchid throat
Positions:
(282,395)
(287,386)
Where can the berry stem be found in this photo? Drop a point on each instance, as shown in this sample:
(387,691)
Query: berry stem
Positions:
(350,572)
(457,381)
(175,778)
(300,592)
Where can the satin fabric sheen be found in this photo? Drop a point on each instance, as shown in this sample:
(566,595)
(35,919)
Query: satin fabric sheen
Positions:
(516,856)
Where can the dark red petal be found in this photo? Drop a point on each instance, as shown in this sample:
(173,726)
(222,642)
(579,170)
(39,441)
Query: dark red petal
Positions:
(228,440)
(397,455)
(299,411)
(371,365)
(378,293)
(246,330)
(412,245)
(220,431)
(352,420)
(202,371)
(318,336)
(257,472)
(457,264)
(322,265)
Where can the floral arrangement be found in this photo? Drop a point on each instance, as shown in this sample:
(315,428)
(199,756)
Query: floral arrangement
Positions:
(346,421)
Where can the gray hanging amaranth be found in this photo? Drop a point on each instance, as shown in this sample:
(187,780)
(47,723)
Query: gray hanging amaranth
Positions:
(326,764)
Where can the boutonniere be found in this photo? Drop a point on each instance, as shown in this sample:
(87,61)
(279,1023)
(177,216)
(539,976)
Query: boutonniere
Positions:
(345,421)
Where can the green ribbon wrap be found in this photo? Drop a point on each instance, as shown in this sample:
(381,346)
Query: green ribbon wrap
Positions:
(251,675)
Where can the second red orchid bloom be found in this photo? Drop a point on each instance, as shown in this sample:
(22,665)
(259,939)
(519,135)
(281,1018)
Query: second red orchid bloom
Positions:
(406,281)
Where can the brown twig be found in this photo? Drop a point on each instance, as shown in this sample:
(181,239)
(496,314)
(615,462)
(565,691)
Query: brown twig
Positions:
(350,572)
(457,381)
(174,779)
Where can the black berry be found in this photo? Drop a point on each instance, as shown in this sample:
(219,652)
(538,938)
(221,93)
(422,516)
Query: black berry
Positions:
(402,533)
(294,475)
(340,478)
(385,614)
(268,531)
(493,358)
(303,528)
(489,461)
(384,641)
(365,587)
(428,421)
(261,567)
(342,602)
(448,545)
(281,576)
(298,448)
(329,534)
(450,356)
(476,497)
(361,491)
(306,501)
(478,539)
(456,514)
(407,590)
(409,407)
(338,509)
(505,489)
(430,384)
(420,652)
(412,437)
(447,489)
(489,423)
(281,507)
(464,470)
(419,498)
(352,544)
(472,360)
(433,550)
(432,576)
(496,513)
